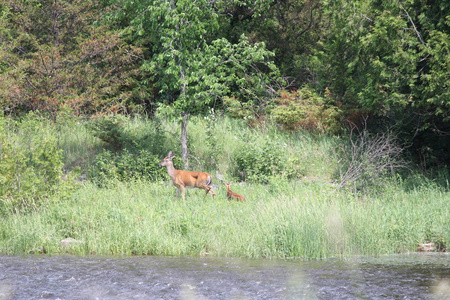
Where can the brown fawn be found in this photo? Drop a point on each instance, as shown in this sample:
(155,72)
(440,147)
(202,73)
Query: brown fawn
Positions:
(233,195)
(182,179)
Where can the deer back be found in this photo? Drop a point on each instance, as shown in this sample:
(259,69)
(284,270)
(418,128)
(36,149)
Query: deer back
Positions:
(194,179)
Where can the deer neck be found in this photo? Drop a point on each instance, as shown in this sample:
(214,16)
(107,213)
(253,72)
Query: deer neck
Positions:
(171,170)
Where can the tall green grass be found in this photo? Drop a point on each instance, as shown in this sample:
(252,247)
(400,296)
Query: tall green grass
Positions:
(300,218)
(77,142)
(286,219)
(212,143)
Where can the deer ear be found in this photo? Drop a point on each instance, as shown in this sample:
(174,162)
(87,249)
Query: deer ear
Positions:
(170,154)
(231,182)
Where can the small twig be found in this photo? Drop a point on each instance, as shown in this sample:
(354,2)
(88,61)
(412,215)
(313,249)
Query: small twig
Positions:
(414,25)
(198,161)
(366,17)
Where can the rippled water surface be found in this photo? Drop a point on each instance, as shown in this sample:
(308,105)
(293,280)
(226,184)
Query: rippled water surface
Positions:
(414,276)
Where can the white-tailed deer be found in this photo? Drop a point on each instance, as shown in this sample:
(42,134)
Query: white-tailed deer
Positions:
(182,179)
(233,195)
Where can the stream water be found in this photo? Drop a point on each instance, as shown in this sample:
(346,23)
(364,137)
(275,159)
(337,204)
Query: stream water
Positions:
(413,276)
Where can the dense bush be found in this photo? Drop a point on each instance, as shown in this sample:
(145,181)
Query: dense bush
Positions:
(121,132)
(110,167)
(31,165)
(110,130)
(257,163)
(304,109)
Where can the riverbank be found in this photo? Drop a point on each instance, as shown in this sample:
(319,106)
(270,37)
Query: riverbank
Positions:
(97,186)
(282,219)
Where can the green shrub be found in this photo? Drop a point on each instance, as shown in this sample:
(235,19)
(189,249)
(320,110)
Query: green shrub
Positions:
(31,165)
(124,166)
(304,109)
(110,130)
(130,133)
(257,163)
(135,150)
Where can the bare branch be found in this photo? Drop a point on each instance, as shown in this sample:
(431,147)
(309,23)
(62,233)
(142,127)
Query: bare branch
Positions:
(414,25)
(367,158)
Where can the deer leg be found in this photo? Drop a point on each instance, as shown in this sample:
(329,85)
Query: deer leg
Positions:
(209,190)
(182,192)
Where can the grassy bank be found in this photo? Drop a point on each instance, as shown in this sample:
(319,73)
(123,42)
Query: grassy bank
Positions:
(283,219)
(300,215)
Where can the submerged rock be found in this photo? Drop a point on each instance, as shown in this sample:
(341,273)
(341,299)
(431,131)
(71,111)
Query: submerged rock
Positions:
(66,243)
(427,247)
(438,246)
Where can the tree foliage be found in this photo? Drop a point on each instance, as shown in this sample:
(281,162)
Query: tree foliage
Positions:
(378,61)
(54,58)
(304,109)
(193,66)
(290,28)
(390,61)
(190,61)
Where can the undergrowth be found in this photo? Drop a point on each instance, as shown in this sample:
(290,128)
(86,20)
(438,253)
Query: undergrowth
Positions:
(110,194)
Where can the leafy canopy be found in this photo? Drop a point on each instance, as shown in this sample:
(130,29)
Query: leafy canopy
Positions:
(190,61)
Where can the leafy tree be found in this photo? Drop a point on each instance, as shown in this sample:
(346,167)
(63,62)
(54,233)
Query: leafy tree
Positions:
(290,28)
(53,57)
(389,60)
(192,65)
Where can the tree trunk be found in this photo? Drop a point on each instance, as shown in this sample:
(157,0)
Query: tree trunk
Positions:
(184,141)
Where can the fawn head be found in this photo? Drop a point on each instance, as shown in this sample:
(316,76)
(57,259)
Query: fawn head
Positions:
(227,184)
